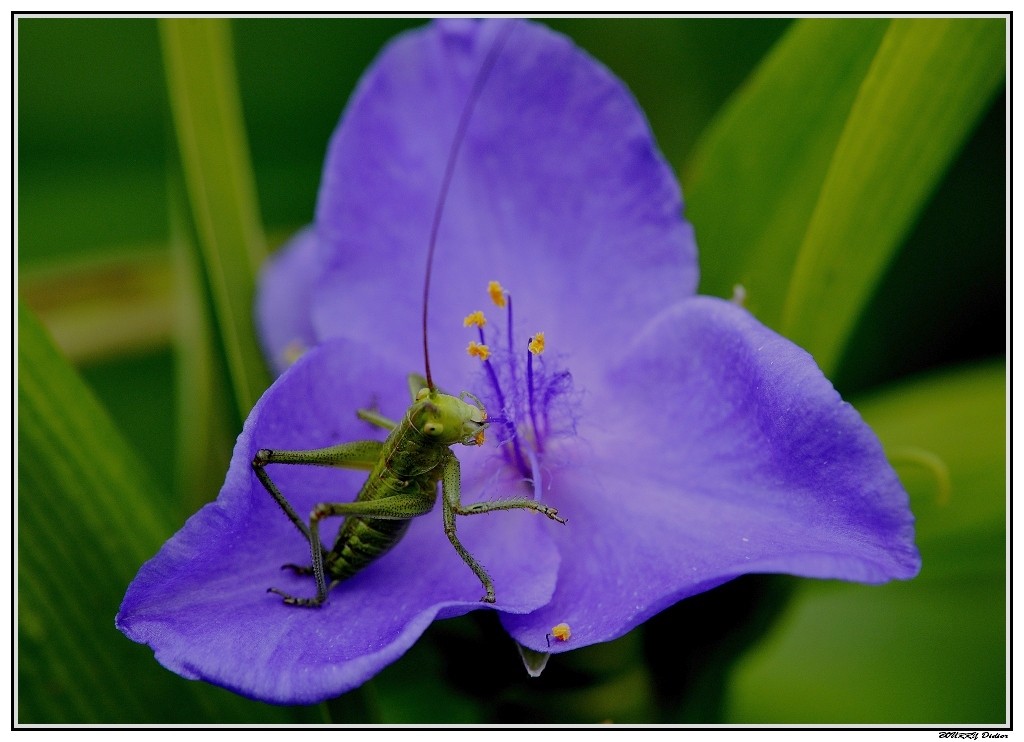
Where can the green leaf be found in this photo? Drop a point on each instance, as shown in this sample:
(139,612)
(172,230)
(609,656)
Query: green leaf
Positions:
(206,423)
(959,419)
(806,185)
(220,186)
(897,654)
(756,174)
(99,306)
(931,650)
(88,515)
(927,87)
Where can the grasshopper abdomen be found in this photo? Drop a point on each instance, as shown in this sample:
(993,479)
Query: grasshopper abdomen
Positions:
(408,469)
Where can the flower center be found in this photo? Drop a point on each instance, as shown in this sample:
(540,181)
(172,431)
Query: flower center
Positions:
(527,394)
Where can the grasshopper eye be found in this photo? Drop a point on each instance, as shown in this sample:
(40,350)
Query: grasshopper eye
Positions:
(433,428)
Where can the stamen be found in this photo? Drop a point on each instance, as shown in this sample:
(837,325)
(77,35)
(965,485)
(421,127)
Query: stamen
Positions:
(475,319)
(525,420)
(478,350)
(536,477)
(483,352)
(517,450)
(491,374)
(497,293)
(561,632)
(537,341)
(555,386)
(511,342)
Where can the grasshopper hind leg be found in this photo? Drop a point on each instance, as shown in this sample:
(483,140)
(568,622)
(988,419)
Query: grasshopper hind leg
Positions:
(356,455)
(393,508)
(314,602)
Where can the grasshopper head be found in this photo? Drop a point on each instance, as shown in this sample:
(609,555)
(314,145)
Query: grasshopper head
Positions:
(447,419)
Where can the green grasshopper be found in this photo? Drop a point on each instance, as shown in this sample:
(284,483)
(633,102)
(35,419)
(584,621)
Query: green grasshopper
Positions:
(406,467)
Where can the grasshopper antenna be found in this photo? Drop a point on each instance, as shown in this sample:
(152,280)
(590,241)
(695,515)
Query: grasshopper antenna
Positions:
(449,170)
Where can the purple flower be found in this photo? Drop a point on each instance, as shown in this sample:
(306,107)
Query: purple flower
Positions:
(686,443)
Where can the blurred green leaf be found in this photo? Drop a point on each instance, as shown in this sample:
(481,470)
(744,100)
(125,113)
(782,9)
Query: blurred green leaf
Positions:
(927,87)
(137,393)
(942,300)
(928,651)
(809,181)
(960,418)
(755,176)
(897,654)
(221,189)
(101,306)
(88,515)
(206,423)
(681,70)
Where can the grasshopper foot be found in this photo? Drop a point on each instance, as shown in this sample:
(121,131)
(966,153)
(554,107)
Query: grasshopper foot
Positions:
(292,600)
(551,513)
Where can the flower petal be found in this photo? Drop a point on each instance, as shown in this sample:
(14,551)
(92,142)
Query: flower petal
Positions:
(201,602)
(559,191)
(282,300)
(721,450)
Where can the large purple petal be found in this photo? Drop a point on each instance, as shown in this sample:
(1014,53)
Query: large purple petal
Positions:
(201,602)
(559,191)
(283,299)
(720,449)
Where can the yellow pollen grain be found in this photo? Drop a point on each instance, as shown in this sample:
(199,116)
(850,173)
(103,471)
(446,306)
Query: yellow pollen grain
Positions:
(497,293)
(474,319)
(561,632)
(477,350)
(294,351)
(536,345)
(479,437)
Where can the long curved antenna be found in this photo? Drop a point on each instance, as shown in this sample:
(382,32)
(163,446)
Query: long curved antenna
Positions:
(449,170)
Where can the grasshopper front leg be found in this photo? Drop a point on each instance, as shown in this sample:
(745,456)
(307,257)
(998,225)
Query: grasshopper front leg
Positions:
(452,506)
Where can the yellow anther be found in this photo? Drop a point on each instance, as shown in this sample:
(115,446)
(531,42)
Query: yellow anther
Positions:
(478,439)
(477,350)
(561,632)
(497,293)
(475,319)
(536,345)
(294,351)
